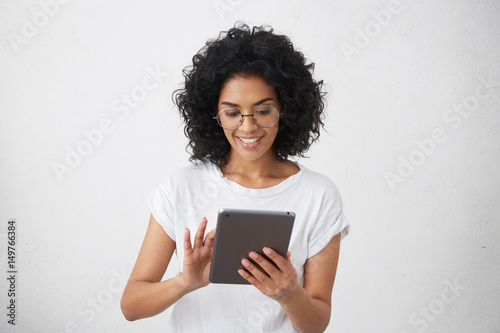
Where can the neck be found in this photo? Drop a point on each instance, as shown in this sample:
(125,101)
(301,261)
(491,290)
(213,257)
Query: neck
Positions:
(262,167)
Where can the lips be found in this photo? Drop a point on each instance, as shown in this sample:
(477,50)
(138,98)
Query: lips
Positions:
(248,140)
(249,143)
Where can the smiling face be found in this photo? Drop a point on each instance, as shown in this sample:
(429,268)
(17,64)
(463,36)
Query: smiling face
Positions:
(249,141)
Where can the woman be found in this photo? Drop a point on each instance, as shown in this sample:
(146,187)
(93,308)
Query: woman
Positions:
(249,102)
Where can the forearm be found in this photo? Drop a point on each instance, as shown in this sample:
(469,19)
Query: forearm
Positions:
(143,299)
(307,314)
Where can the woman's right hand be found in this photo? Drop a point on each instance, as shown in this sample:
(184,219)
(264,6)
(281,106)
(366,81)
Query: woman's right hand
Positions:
(197,258)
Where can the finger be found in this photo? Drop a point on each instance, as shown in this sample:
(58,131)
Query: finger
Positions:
(255,271)
(187,242)
(198,238)
(288,256)
(249,277)
(281,262)
(266,265)
(210,239)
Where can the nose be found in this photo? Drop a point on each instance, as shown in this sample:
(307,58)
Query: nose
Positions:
(248,124)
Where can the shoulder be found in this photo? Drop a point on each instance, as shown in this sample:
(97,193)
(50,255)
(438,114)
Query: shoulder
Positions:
(195,172)
(317,180)
(319,187)
(191,170)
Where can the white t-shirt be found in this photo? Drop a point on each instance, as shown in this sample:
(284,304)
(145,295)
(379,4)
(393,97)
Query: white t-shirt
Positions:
(188,194)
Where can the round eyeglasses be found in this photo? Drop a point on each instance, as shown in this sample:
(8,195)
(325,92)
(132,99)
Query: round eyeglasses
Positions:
(265,115)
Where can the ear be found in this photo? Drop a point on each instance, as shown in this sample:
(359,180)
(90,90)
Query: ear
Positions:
(282,116)
(282,112)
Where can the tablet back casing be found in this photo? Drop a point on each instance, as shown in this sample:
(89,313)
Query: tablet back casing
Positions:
(242,231)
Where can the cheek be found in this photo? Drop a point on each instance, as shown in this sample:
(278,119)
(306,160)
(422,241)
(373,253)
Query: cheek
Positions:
(274,132)
(228,135)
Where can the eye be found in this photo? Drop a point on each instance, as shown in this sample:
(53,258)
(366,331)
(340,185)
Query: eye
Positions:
(231,113)
(264,110)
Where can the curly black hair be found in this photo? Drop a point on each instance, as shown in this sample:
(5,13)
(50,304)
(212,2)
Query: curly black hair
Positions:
(245,51)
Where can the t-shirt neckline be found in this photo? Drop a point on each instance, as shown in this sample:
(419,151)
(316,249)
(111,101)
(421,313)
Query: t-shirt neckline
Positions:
(257,192)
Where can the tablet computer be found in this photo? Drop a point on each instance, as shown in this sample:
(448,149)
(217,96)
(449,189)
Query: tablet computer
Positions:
(241,231)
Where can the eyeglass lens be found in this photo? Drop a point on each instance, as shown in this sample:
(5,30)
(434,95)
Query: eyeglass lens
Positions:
(265,115)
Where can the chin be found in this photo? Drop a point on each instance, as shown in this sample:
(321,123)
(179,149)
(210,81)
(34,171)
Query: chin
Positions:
(252,156)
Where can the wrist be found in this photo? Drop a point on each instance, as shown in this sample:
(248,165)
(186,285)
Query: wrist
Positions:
(181,283)
(296,296)
(184,286)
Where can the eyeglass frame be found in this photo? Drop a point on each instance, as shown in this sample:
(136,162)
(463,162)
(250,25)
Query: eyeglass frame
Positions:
(280,114)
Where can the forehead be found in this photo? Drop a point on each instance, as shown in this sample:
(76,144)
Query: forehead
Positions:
(244,90)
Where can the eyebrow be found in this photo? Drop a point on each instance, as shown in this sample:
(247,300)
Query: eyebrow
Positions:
(255,104)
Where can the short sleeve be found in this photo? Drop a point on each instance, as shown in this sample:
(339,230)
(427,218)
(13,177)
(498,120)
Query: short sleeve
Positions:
(162,209)
(331,221)
(325,230)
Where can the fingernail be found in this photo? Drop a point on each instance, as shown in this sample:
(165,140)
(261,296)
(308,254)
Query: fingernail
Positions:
(266,251)
(253,255)
(241,272)
(245,262)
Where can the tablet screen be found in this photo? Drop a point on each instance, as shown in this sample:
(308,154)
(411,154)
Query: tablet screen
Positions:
(241,231)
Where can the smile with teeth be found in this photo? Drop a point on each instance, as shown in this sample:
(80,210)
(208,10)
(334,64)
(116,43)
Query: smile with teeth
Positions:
(249,140)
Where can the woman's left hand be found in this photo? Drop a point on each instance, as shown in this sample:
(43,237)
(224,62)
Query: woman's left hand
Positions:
(281,283)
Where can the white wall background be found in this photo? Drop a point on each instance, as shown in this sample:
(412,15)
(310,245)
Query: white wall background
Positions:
(63,68)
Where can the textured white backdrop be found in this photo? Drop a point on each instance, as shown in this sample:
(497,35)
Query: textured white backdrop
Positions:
(423,253)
